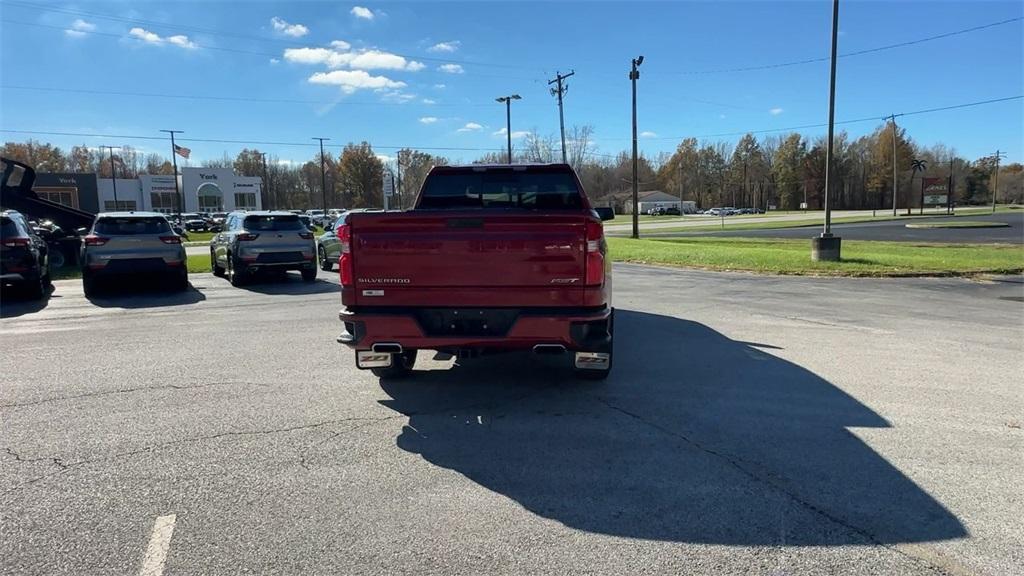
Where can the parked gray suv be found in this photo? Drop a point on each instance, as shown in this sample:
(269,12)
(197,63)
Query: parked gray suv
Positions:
(124,244)
(252,242)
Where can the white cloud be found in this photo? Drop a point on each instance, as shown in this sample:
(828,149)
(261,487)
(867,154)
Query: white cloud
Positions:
(396,96)
(775,111)
(145,35)
(428,120)
(361,60)
(470,127)
(340,45)
(288,29)
(451,68)
(351,80)
(648,134)
(429,101)
(449,47)
(182,41)
(440,86)
(148,37)
(361,12)
(384,158)
(274,60)
(515,133)
(79,28)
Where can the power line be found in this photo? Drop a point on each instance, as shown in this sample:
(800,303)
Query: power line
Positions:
(211,97)
(247,142)
(855,53)
(853,121)
(225,33)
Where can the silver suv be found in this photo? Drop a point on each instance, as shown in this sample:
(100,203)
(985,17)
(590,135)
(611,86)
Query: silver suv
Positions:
(132,244)
(262,241)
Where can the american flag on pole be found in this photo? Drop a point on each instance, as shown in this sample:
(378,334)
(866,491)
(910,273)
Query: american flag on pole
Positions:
(182,151)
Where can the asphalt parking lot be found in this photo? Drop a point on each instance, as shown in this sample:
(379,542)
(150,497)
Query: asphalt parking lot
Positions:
(752,425)
(893,231)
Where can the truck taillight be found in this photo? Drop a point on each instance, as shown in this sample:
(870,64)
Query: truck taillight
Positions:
(595,254)
(345,262)
(247,237)
(171,239)
(15,242)
(92,240)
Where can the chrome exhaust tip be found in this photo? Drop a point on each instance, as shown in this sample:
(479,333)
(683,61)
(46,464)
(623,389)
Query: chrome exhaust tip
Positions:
(387,347)
(549,349)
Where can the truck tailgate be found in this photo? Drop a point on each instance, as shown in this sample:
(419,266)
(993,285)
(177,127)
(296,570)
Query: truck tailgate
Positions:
(453,258)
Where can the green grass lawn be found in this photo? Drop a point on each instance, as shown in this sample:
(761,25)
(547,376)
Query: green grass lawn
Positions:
(815,219)
(860,258)
(199,263)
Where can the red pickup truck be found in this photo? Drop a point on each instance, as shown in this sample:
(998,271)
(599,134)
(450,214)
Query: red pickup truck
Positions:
(492,258)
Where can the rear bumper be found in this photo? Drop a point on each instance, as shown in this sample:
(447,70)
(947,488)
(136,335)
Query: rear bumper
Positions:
(579,329)
(134,266)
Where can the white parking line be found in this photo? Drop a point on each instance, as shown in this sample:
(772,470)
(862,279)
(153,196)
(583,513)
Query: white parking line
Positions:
(159,543)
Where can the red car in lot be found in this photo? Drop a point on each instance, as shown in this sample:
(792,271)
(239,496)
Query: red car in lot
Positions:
(492,258)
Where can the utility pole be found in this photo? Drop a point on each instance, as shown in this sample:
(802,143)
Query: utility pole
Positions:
(634,75)
(113,176)
(323,175)
(507,100)
(266,178)
(398,184)
(995,184)
(560,91)
(949,187)
(828,247)
(892,118)
(680,186)
(174,162)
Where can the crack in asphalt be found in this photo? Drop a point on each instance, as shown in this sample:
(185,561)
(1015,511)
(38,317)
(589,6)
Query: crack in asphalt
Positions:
(64,467)
(55,461)
(123,391)
(745,468)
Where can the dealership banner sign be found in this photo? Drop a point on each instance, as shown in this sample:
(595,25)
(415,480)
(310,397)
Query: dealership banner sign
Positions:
(935,191)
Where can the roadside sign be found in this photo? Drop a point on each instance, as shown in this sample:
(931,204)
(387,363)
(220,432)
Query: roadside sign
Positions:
(935,191)
(803,205)
(389,185)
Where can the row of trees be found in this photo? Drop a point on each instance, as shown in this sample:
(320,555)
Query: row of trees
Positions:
(779,170)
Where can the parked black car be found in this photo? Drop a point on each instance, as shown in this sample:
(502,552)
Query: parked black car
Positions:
(24,256)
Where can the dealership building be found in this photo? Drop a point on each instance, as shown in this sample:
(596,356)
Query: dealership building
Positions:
(203,190)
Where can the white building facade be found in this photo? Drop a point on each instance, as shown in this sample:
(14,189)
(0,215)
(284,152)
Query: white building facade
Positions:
(203,189)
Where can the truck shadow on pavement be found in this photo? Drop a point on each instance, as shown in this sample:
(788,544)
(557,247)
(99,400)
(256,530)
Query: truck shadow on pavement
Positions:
(694,438)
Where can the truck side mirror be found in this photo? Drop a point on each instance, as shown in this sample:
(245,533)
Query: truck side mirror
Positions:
(605,213)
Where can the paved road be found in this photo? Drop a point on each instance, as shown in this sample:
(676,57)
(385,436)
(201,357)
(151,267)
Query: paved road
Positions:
(890,230)
(752,425)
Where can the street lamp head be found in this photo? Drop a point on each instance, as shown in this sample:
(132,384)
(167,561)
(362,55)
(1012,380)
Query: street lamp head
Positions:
(639,60)
(502,99)
(516,97)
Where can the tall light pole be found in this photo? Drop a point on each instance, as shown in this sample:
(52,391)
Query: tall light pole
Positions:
(827,247)
(560,91)
(507,100)
(266,177)
(113,174)
(634,75)
(323,175)
(178,200)
(894,182)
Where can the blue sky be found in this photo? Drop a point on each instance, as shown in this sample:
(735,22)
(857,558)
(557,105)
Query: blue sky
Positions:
(425,74)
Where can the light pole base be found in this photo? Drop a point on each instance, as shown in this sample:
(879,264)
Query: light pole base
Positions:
(826,248)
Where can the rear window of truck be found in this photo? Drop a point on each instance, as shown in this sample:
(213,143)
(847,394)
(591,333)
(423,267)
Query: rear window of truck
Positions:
(129,226)
(273,223)
(507,188)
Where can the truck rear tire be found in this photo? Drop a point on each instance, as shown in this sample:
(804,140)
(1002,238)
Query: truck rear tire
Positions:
(401,366)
